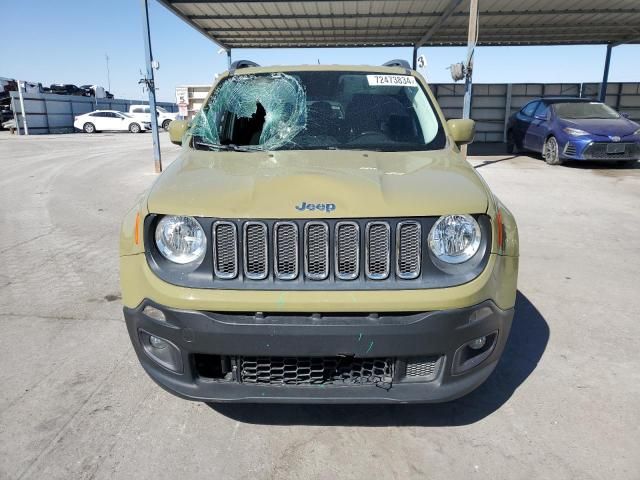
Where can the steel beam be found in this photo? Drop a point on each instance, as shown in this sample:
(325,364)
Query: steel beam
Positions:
(448,11)
(150,82)
(605,74)
(333,16)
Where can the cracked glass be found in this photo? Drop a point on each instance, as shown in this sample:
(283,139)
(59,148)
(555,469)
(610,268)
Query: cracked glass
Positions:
(306,110)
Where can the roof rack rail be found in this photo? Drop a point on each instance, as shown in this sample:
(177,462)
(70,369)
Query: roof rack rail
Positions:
(398,62)
(241,64)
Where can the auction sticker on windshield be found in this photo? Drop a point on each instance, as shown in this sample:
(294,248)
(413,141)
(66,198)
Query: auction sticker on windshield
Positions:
(392,80)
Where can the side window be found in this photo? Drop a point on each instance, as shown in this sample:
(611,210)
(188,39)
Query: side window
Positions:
(146,110)
(529,109)
(542,111)
(137,110)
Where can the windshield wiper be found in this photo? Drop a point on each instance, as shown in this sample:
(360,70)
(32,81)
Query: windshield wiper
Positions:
(228,148)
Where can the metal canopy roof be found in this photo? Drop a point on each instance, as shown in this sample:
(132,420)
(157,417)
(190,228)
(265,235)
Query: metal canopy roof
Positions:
(352,23)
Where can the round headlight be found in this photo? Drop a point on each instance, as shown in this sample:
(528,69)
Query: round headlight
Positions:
(181,239)
(455,238)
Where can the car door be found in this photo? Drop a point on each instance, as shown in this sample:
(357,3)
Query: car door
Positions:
(522,121)
(100,121)
(538,128)
(120,122)
(112,121)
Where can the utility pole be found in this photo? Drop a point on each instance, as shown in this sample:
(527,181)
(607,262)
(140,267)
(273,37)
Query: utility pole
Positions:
(150,83)
(108,74)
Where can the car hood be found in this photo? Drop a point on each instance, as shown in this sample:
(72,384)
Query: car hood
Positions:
(357,183)
(600,126)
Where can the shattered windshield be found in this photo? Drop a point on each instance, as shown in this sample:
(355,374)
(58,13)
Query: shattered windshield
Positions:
(318,110)
(584,110)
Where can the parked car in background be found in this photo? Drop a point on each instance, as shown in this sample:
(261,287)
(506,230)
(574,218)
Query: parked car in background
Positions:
(109,120)
(65,89)
(142,111)
(93,91)
(562,128)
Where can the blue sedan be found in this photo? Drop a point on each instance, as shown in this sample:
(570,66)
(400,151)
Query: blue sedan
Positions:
(562,128)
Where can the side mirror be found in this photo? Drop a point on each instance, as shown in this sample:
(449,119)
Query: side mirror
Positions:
(177,129)
(540,116)
(462,130)
(625,114)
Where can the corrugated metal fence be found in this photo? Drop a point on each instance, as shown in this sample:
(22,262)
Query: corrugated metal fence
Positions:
(492,104)
(48,113)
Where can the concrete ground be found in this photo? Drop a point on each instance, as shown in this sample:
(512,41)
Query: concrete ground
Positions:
(564,402)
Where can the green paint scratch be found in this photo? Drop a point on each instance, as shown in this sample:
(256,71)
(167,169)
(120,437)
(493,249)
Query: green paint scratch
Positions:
(370,346)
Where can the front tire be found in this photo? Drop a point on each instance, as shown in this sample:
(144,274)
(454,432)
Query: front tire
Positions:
(551,152)
(135,128)
(165,124)
(89,128)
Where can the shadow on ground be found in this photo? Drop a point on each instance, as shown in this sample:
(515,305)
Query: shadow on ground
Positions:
(527,342)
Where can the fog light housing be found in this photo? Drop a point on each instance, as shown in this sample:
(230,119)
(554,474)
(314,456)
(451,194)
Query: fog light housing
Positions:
(161,351)
(157,343)
(472,353)
(478,343)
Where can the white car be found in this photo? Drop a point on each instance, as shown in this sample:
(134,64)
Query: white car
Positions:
(142,112)
(109,120)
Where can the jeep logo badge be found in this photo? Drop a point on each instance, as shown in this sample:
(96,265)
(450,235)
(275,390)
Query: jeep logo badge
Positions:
(322,207)
(615,138)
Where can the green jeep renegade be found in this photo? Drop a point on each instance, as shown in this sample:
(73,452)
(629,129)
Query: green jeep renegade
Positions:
(320,238)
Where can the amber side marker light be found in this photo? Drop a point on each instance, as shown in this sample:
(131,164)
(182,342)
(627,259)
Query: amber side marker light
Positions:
(137,232)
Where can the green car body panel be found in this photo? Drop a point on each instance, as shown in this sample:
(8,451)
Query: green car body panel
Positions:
(361,184)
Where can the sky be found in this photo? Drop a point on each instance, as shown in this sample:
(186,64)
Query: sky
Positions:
(66,42)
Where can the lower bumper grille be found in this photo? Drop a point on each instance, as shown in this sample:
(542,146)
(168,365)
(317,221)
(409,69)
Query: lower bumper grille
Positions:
(598,151)
(315,370)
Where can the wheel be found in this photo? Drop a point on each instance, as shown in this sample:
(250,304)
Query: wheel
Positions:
(165,124)
(134,128)
(512,146)
(551,152)
(89,128)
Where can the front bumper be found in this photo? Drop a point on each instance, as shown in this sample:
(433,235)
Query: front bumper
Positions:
(396,336)
(595,148)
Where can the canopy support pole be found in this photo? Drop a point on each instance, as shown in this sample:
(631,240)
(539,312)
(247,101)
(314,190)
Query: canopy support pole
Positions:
(229,58)
(471,45)
(605,75)
(150,83)
(415,57)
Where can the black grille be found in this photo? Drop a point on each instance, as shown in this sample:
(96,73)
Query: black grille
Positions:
(598,151)
(347,250)
(408,246)
(425,367)
(286,250)
(378,250)
(315,370)
(570,149)
(255,250)
(225,250)
(316,250)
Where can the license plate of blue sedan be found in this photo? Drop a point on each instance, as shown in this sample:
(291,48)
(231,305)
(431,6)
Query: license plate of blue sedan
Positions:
(615,148)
